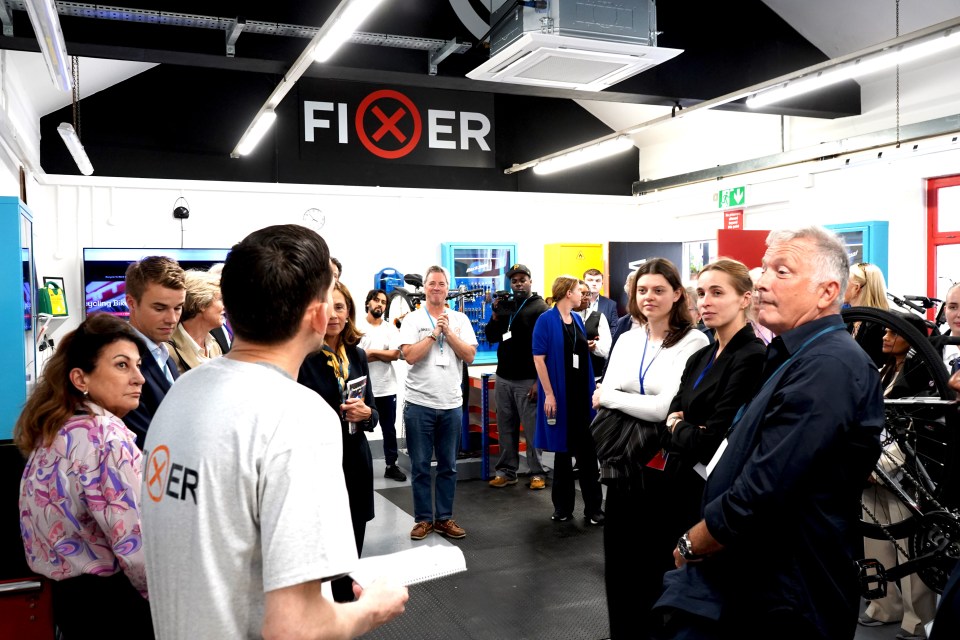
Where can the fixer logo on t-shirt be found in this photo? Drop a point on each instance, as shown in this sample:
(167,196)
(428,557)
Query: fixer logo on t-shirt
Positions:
(163,477)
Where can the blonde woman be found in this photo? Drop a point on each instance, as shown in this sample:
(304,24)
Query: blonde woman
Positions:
(191,343)
(867,288)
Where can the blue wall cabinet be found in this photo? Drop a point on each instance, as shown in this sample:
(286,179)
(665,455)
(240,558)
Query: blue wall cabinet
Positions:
(866,242)
(17,316)
(484,267)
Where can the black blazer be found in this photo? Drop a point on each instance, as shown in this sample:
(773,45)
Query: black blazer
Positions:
(608,307)
(318,375)
(730,382)
(155,387)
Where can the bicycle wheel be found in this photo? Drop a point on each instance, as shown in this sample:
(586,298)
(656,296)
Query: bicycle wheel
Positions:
(911,472)
(914,443)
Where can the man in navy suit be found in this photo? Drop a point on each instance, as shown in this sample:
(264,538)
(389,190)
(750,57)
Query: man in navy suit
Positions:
(606,306)
(155,292)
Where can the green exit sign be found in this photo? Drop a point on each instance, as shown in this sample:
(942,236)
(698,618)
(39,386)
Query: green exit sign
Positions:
(732,197)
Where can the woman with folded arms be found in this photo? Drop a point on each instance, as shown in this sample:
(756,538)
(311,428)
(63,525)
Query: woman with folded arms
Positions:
(80,492)
(716,382)
(642,378)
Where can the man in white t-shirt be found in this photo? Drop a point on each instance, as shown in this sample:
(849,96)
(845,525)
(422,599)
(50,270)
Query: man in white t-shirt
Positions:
(381,342)
(246,496)
(436,341)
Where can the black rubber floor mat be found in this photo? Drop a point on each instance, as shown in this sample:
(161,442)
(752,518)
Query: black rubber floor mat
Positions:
(527,577)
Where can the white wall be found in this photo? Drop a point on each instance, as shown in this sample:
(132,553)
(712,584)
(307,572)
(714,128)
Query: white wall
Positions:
(367,228)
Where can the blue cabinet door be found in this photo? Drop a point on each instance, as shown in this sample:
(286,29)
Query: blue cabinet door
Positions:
(483,267)
(866,242)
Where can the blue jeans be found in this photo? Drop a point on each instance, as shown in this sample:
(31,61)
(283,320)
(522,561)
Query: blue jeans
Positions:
(432,432)
(387,411)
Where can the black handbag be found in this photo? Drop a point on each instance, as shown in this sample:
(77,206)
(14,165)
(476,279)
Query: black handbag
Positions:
(624,445)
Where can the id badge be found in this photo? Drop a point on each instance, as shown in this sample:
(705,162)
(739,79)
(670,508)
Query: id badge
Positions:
(576,361)
(716,458)
(441,359)
(506,336)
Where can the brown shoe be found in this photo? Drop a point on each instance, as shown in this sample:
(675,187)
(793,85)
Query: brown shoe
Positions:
(502,481)
(421,530)
(537,482)
(449,528)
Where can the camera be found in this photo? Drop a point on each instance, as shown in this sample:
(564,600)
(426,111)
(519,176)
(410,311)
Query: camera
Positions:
(507,301)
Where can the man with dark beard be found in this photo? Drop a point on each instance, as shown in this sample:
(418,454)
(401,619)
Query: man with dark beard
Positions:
(381,342)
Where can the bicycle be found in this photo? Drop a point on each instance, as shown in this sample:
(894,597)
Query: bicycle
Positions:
(919,465)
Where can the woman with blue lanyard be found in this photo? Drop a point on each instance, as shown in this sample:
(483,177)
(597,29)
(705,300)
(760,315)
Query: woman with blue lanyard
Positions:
(334,372)
(642,378)
(565,375)
(717,381)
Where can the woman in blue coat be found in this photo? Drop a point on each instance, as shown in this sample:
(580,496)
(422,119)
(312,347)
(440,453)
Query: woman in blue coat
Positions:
(566,385)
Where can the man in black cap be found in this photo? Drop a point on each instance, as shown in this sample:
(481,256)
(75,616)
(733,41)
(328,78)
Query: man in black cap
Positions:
(511,325)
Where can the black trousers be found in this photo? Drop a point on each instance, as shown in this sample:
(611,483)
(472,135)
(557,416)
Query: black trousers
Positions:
(94,607)
(342,588)
(638,543)
(563,493)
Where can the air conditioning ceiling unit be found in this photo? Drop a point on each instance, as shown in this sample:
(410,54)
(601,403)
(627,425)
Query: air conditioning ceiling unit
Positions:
(573,44)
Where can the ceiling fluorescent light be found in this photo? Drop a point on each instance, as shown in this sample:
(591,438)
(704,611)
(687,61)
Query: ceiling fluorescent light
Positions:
(346,24)
(900,54)
(584,155)
(255,132)
(72,140)
(46,26)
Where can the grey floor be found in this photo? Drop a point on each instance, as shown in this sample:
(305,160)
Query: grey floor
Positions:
(527,577)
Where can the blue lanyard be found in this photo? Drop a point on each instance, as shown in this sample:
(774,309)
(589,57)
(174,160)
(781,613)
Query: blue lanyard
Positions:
(433,325)
(780,368)
(643,372)
(713,355)
(516,313)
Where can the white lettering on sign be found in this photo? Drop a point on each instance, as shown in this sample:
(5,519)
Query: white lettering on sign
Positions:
(445,129)
(480,134)
(434,129)
(311,122)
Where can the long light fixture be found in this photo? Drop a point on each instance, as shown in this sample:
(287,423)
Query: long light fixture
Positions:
(72,140)
(348,12)
(578,157)
(858,67)
(46,26)
(348,21)
(257,130)
(946,28)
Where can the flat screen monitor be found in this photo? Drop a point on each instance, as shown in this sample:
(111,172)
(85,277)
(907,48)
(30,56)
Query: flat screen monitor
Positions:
(104,273)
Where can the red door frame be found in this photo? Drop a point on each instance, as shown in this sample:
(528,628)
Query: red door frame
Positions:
(937,238)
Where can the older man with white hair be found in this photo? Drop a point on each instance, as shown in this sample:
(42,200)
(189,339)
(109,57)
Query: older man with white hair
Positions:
(775,551)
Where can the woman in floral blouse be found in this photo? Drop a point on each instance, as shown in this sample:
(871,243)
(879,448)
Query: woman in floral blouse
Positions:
(80,492)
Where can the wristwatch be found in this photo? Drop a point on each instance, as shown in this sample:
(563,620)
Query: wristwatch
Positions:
(686,549)
(672,422)
(430,335)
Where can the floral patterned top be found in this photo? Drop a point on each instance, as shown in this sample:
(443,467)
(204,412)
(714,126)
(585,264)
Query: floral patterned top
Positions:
(80,501)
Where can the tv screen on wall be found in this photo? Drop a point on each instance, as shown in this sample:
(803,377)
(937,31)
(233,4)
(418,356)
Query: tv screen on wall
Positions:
(104,272)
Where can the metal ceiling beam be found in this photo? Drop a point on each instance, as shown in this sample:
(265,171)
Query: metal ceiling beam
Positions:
(233,26)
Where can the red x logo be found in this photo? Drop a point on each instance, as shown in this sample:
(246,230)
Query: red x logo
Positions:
(389,124)
(156,478)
